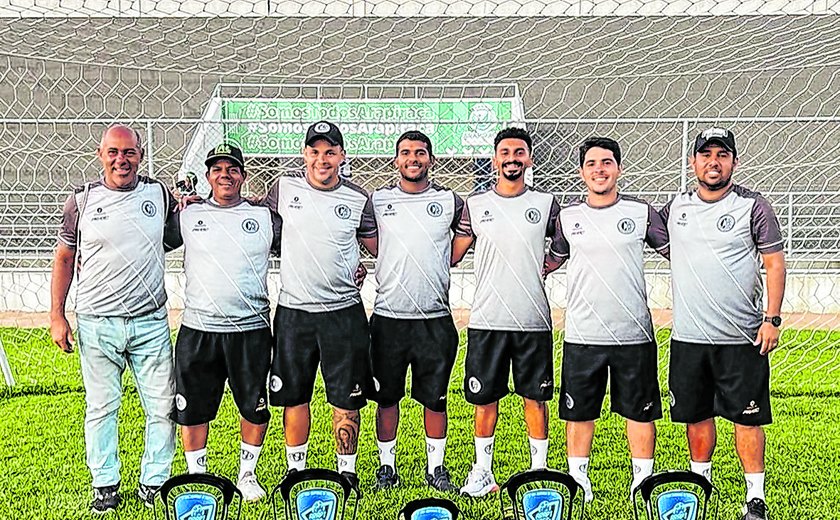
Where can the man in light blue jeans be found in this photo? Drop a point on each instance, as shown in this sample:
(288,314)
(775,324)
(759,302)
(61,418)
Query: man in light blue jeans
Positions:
(113,234)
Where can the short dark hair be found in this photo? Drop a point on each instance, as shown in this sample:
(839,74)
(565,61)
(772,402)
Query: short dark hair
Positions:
(600,142)
(512,133)
(415,135)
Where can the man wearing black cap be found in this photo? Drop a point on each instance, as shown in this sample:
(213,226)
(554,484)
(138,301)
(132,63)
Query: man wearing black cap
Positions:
(721,234)
(320,316)
(226,333)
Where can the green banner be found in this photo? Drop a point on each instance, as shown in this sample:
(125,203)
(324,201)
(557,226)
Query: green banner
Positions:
(457,128)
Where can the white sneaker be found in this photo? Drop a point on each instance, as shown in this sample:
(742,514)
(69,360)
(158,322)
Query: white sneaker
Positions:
(250,488)
(479,482)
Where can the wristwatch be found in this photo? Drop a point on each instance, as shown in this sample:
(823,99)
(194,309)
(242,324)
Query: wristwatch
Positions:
(776,321)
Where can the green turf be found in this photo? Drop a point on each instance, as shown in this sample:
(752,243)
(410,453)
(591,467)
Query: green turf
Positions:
(44,475)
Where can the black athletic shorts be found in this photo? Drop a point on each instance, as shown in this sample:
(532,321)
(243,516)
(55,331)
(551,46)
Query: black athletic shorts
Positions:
(634,386)
(429,346)
(338,340)
(730,381)
(205,360)
(490,354)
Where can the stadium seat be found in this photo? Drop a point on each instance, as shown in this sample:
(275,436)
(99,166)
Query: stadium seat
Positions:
(542,493)
(196,503)
(315,493)
(674,495)
(429,509)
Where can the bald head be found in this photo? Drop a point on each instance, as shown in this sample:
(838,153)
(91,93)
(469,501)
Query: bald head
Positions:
(120,152)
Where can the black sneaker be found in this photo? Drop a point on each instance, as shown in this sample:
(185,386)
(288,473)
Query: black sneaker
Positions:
(756,510)
(147,495)
(441,481)
(105,499)
(386,478)
(352,477)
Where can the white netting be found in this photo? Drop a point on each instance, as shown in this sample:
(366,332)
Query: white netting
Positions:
(770,70)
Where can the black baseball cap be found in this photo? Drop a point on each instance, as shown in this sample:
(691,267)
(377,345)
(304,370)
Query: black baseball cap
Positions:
(716,135)
(225,151)
(324,130)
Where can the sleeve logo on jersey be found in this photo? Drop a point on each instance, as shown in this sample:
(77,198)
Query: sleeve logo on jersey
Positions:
(434,209)
(726,223)
(342,211)
(626,226)
(533,215)
(250,226)
(149,208)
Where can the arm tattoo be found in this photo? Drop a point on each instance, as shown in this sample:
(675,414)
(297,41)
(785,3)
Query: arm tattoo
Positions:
(346,428)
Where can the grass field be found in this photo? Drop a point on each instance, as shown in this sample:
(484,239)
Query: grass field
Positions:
(43,473)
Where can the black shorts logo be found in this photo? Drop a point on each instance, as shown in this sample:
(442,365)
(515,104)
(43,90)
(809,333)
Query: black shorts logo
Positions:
(533,215)
(149,208)
(250,226)
(626,226)
(474,384)
(276,384)
(434,209)
(570,403)
(180,402)
(726,223)
(342,211)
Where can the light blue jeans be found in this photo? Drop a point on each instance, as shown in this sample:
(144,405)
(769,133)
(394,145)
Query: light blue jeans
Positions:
(106,346)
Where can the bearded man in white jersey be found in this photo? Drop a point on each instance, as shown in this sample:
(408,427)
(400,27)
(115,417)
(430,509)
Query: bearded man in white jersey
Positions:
(721,235)
(609,332)
(411,325)
(510,319)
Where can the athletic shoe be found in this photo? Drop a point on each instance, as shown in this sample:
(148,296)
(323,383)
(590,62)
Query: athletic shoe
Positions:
(386,478)
(479,482)
(105,499)
(250,488)
(440,480)
(147,495)
(756,509)
(352,477)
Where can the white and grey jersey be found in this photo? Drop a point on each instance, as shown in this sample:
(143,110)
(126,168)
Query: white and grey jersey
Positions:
(606,300)
(320,249)
(415,245)
(119,239)
(716,250)
(510,235)
(226,253)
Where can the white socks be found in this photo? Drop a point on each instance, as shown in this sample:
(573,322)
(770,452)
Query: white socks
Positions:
(484,452)
(435,448)
(702,468)
(755,485)
(346,463)
(248,456)
(296,456)
(196,461)
(579,470)
(642,468)
(388,453)
(539,452)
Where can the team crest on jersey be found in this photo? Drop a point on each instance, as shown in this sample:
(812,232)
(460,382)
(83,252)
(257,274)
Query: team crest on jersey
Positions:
(342,211)
(726,223)
(149,208)
(577,229)
(434,209)
(389,211)
(486,217)
(250,226)
(100,215)
(200,226)
(683,220)
(295,203)
(533,215)
(626,226)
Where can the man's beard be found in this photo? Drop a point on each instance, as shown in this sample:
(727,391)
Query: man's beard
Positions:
(721,184)
(419,178)
(513,176)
